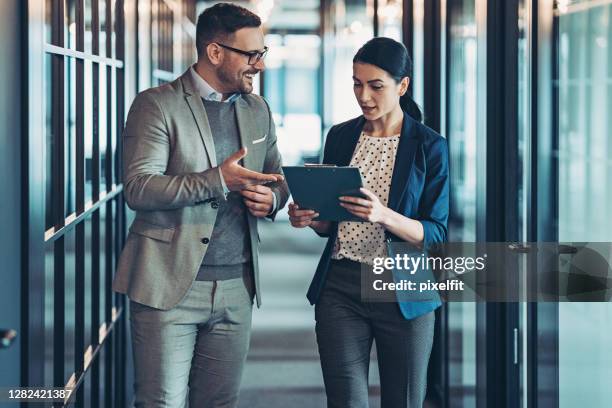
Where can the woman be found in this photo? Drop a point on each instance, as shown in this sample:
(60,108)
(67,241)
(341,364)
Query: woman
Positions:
(404,166)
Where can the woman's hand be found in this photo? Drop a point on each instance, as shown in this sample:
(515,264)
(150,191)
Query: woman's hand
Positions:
(369,209)
(301,218)
(305,218)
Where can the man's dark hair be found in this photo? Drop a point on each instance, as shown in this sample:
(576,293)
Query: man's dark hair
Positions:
(220,21)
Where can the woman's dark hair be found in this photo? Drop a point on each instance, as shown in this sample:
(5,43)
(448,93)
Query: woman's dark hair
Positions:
(218,22)
(392,57)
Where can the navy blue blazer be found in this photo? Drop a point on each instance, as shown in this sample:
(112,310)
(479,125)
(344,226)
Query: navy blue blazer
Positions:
(419,190)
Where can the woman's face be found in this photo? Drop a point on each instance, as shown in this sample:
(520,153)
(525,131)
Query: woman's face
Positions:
(376,91)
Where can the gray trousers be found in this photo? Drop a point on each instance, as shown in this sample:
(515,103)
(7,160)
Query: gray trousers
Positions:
(195,351)
(346,328)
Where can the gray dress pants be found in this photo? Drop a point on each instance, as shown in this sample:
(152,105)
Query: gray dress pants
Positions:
(193,354)
(346,328)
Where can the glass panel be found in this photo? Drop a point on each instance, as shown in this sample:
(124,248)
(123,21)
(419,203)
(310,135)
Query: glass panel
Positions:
(49,136)
(353,27)
(103,125)
(462,120)
(462,222)
(418,86)
(70,24)
(390,19)
(88,27)
(48,312)
(293,64)
(70,141)
(462,354)
(584,121)
(524,140)
(103,28)
(87,281)
(113,6)
(102,306)
(48,21)
(69,304)
(88,133)
(113,122)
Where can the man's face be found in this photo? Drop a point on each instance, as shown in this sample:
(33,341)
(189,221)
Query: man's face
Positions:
(235,71)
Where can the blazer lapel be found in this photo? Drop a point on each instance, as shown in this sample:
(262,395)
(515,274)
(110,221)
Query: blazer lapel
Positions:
(245,128)
(199,114)
(347,147)
(404,160)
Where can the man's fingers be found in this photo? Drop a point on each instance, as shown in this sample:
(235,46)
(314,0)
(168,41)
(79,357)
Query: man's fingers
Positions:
(254,177)
(256,206)
(258,188)
(237,156)
(254,196)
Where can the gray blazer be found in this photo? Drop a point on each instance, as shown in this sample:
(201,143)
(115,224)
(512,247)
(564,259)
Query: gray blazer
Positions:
(171,183)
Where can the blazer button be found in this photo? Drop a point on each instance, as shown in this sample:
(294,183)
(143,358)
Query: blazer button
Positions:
(205,240)
(214,204)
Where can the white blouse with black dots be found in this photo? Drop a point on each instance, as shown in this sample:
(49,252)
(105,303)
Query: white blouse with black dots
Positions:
(375,158)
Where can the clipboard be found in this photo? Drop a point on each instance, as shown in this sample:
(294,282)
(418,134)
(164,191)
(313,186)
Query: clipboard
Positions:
(318,187)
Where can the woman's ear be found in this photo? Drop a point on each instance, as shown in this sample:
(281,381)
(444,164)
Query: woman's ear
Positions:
(405,82)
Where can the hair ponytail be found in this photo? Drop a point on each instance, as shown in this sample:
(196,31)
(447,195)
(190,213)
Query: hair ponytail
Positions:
(410,107)
(391,56)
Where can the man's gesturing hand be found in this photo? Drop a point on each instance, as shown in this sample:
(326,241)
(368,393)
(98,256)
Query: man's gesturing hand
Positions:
(258,199)
(237,177)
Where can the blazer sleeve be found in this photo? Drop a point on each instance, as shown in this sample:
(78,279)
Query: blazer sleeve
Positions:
(146,150)
(434,203)
(273,165)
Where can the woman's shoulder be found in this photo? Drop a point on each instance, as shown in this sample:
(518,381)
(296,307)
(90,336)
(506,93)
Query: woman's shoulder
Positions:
(432,141)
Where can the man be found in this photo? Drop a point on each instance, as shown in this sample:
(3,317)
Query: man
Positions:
(189,265)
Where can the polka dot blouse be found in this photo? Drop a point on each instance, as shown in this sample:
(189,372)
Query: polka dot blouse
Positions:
(375,158)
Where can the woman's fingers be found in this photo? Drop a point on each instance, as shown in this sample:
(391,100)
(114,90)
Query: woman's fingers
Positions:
(355,200)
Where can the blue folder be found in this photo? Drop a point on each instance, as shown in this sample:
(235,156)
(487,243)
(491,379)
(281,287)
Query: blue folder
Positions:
(319,187)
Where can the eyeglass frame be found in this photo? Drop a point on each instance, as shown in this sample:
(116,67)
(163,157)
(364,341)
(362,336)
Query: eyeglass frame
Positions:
(258,55)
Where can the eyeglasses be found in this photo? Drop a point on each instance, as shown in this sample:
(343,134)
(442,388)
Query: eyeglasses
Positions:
(254,56)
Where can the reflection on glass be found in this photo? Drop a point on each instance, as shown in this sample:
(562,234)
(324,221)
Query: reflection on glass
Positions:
(584,121)
(462,222)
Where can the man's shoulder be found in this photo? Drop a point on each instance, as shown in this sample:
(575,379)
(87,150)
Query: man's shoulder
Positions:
(254,101)
(162,94)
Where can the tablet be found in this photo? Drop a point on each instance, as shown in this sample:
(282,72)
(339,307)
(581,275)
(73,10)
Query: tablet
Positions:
(319,187)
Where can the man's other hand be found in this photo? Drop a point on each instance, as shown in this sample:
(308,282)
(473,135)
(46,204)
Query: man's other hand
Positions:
(238,178)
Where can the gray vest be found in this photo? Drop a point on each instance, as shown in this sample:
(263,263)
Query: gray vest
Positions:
(229,254)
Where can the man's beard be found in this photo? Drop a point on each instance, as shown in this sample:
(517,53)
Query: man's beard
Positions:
(237,85)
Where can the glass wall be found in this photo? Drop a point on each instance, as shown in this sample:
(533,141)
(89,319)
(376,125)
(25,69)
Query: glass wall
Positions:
(584,123)
(461,135)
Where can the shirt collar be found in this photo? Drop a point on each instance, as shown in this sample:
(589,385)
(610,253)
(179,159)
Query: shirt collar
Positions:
(206,91)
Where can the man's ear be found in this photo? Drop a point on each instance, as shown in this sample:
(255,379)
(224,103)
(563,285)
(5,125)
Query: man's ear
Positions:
(214,54)
(405,82)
